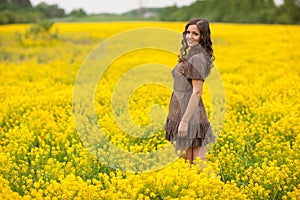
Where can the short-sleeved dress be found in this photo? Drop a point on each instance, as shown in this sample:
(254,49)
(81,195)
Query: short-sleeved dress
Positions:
(195,65)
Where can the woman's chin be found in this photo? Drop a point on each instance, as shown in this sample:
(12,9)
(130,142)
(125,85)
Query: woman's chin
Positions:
(192,45)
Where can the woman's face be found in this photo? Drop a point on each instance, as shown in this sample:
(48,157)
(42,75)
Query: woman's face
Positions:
(192,35)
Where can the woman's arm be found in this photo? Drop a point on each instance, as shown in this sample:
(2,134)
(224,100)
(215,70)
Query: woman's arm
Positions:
(191,107)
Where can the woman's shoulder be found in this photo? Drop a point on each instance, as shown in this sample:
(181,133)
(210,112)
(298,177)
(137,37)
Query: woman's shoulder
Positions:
(200,63)
(200,59)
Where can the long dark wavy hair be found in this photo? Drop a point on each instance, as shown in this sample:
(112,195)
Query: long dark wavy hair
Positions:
(205,38)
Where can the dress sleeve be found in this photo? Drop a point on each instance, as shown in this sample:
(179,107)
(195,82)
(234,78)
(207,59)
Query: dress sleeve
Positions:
(197,67)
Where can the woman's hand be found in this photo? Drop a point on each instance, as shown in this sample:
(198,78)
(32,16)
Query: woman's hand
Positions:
(183,128)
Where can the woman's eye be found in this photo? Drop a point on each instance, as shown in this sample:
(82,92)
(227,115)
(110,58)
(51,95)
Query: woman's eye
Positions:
(194,33)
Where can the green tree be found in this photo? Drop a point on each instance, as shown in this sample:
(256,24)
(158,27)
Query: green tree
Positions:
(50,11)
(78,13)
(289,12)
(169,13)
(22,3)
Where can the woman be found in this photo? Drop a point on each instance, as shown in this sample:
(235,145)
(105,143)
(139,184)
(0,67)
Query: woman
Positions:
(187,123)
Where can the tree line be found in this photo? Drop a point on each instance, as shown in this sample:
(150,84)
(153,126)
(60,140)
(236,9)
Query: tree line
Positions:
(22,11)
(238,11)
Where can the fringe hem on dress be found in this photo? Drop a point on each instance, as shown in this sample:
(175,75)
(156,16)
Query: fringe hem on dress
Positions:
(200,134)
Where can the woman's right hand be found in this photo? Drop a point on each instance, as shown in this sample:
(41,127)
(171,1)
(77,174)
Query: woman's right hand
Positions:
(183,128)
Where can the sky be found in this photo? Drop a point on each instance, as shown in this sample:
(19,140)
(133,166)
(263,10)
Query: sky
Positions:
(114,6)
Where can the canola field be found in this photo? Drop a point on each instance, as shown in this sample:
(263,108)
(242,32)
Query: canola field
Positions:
(42,156)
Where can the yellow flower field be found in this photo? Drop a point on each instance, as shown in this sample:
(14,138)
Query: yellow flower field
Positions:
(42,156)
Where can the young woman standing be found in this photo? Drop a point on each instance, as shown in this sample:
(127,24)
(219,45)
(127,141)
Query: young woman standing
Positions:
(187,123)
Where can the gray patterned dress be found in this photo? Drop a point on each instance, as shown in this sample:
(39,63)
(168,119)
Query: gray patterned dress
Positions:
(195,65)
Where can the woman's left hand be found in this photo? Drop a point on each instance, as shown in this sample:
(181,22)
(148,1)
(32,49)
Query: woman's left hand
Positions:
(182,129)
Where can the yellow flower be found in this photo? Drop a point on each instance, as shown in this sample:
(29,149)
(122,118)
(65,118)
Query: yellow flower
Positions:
(256,155)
